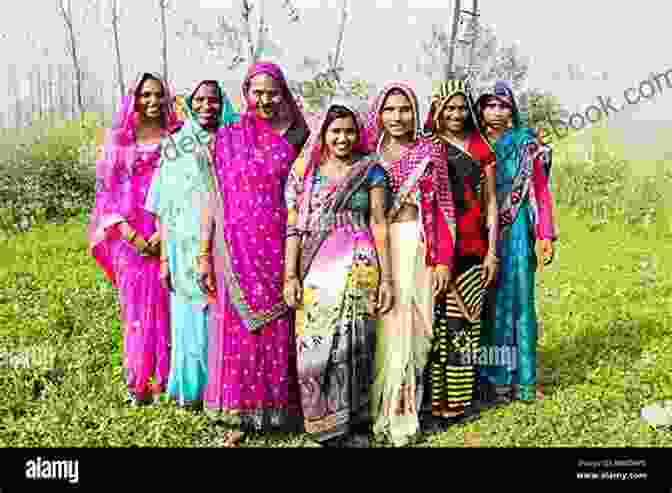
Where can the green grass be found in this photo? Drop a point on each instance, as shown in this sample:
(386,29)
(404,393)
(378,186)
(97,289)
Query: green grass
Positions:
(604,304)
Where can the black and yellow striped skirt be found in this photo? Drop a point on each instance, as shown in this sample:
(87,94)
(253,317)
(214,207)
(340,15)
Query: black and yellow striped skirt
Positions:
(457,326)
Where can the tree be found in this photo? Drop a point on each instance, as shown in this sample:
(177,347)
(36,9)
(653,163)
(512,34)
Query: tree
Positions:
(66,13)
(492,61)
(238,39)
(327,78)
(117,51)
(163,6)
(542,106)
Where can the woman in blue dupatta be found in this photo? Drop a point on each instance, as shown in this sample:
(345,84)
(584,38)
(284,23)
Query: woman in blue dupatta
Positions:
(177,197)
(527,233)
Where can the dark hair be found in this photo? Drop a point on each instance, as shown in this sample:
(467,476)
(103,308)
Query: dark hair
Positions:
(334,113)
(148,76)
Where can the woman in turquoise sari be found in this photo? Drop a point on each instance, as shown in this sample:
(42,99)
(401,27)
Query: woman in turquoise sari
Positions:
(527,233)
(177,197)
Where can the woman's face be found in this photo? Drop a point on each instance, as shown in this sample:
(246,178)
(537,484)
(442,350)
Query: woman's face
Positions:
(397,115)
(149,99)
(207,105)
(265,96)
(496,113)
(340,137)
(454,114)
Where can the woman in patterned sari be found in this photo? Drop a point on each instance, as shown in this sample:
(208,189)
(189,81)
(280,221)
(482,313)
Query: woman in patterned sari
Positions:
(455,353)
(179,191)
(337,273)
(123,236)
(422,233)
(527,233)
(251,365)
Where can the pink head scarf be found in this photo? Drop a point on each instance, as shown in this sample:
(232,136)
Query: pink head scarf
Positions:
(114,169)
(294,113)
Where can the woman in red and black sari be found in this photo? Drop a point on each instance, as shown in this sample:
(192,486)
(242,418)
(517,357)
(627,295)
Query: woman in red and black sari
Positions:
(457,318)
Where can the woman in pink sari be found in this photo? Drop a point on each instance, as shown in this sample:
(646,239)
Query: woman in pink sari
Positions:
(123,237)
(252,369)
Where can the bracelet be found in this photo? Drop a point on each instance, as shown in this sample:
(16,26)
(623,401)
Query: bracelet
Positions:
(441,268)
(131,236)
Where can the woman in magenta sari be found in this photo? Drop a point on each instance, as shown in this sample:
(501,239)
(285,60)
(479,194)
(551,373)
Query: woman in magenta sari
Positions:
(252,369)
(123,237)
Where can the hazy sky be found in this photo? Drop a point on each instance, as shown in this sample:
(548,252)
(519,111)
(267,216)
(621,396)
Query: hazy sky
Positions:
(629,40)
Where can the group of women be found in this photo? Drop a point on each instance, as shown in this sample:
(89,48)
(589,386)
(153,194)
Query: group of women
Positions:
(332,278)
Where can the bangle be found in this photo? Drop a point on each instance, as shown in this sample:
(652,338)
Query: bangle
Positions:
(441,268)
(131,235)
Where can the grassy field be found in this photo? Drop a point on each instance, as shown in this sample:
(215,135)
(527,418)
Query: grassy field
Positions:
(605,305)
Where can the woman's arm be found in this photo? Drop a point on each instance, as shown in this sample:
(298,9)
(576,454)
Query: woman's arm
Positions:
(545,228)
(379,227)
(381,235)
(492,219)
(292,291)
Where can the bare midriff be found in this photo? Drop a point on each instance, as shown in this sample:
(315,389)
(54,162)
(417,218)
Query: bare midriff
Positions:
(407,213)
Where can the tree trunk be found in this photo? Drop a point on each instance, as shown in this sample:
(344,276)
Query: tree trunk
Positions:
(339,42)
(117,51)
(247,29)
(67,18)
(163,4)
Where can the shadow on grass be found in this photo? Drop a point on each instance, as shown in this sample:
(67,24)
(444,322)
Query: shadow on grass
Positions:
(616,343)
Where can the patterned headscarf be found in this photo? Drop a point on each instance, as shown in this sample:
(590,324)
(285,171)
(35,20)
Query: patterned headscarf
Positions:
(443,92)
(374,126)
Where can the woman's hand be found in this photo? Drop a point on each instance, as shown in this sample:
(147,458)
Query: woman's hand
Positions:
(206,275)
(440,279)
(164,275)
(154,245)
(490,267)
(544,252)
(292,292)
(385,297)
